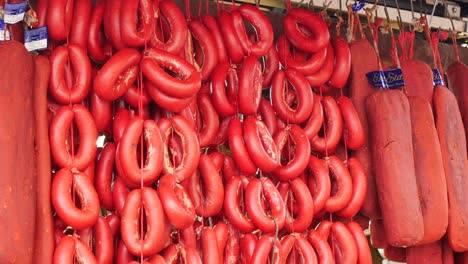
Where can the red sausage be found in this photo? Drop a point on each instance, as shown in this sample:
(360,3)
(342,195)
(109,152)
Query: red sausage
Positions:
(41,11)
(210,246)
(210,120)
(239,148)
(207,52)
(263,247)
(389,120)
(134,96)
(232,208)
(70,248)
(101,110)
(304,96)
(104,173)
(59,18)
(342,68)
(333,125)
(250,86)
(247,247)
(363,250)
(104,240)
(78,218)
(319,243)
(224,86)
(458,82)
(136,34)
(58,137)
(428,253)
(430,179)
(313,125)
(212,25)
(319,38)
(359,181)
(345,248)
(117,75)
(231,39)
(80,25)
(81,67)
(254,207)
(301,221)
(232,249)
(449,126)
(166,101)
(341,198)
(43,236)
(112,23)
(353,131)
(98,47)
(320,77)
(319,182)
(143,199)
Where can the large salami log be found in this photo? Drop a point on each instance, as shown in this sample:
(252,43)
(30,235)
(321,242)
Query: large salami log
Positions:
(17,179)
(457,74)
(453,146)
(418,79)
(425,254)
(43,239)
(359,90)
(389,120)
(430,175)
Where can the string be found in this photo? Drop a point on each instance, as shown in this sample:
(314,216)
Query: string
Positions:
(374,40)
(187,9)
(200,5)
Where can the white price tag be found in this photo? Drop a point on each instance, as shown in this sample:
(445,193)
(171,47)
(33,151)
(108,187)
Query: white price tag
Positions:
(14,12)
(36,39)
(4,33)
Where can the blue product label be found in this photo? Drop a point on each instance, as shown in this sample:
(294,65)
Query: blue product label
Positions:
(437,77)
(14,13)
(377,79)
(4,33)
(358,5)
(394,78)
(36,39)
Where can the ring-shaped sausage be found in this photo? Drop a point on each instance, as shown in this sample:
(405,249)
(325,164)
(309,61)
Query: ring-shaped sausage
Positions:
(77,218)
(143,200)
(58,137)
(319,243)
(117,74)
(98,47)
(155,61)
(319,182)
(304,96)
(296,242)
(191,156)
(342,68)
(232,208)
(308,66)
(363,250)
(319,38)
(207,53)
(209,246)
(343,179)
(59,19)
(260,23)
(71,248)
(166,101)
(132,11)
(101,110)
(212,25)
(171,14)
(176,202)
(284,138)
(334,127)
(359,179)
(224,86)
(260,145)
(209,118)
(238,147)
(301,221)
(134,97)
(181,253)
(133,175)
(270,65)
(353,131)
(81,66)
(345,249)
(268,115)
(104,241)
(231,39)
(250,86)
(208,200)
(112,23)
(314,123)
(263,247)
(104,173)
(320,77)
(254,193)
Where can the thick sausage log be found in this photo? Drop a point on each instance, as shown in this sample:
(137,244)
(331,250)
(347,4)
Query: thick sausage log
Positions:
(359,90)
(389,120)
(430,175)
(428,253)
(418,79)
(44,239)
(453,146)
(457,74)
(18,180)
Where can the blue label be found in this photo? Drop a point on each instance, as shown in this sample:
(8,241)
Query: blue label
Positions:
(2,25)
(36,39)
(4,33)
(358,5)
(437,77)
(377,79)
(394,78)
(14,13)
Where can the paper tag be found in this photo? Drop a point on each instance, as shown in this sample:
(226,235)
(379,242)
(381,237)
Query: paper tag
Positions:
(36,39)
(4,34)
(14,13)
(394,78)
(437,77)
(377,79)
(358,5)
